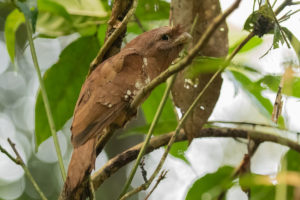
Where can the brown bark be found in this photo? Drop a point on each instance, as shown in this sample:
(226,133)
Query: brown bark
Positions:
(184,13)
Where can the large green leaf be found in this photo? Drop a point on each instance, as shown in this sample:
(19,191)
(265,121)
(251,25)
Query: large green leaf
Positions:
(58,18)
(151,104)
(63,82)
(13,21)
(211,185)
(153,10)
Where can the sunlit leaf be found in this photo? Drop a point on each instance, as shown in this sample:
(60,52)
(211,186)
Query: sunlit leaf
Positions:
(254,42)
(151,104)
(277,37)
(13,21)
(153,10)
(63,82)
(272,83)
(58,18)
(211,185)
(254,92)
(203,65)
(293,40)
(178,150)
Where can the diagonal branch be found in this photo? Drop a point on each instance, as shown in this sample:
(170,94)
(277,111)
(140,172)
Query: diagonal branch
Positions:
(113,37)
(19,161)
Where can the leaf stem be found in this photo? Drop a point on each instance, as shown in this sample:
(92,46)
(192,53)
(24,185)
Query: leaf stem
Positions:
(45,98)
(149,134)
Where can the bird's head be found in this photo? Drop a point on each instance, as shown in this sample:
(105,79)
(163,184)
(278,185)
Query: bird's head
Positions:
(162,43)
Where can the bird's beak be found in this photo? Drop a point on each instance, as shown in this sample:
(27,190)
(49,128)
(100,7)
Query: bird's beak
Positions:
(183,39)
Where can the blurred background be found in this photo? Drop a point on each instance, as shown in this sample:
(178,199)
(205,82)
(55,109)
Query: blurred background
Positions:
(19,87)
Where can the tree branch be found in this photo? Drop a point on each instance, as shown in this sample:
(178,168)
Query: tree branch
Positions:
(113,37)
(20,162)
(129,155)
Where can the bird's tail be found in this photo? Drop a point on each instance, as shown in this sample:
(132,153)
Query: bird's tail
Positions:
(81,164)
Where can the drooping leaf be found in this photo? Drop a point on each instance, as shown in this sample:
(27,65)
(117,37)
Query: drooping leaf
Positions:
(178,150)
(272,83)
(63,82)
(211,185)
(254,42)
(254,91)
(13,21)
(293,40)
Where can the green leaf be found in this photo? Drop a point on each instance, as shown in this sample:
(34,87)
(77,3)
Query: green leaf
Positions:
(58,18)
(151,104)
(272,82)
(162,127)
(178,149)
(153,10)
(13,21)
(63,82)
(277,37)
(292,159)
(294,41)
(254,92)
(211,185)
(203,65)
(254,42)
(261,21)
(29,13)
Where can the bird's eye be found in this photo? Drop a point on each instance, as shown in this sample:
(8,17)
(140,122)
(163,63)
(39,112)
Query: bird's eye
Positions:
(165,37)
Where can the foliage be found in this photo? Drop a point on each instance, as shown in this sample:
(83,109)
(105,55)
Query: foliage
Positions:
(63,80)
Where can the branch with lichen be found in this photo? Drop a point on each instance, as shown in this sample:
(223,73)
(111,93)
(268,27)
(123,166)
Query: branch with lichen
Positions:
(19,161)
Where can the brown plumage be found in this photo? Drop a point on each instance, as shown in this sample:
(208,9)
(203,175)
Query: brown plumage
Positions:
(109,90)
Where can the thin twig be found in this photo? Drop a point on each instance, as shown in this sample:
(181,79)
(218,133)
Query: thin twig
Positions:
(160,178)
(45,99)
(113,37)
(253,125)
(149,134)
(139,23)
(92,189)
(122,159)
(18,160)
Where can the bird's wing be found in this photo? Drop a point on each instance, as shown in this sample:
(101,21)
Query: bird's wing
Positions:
(102,97)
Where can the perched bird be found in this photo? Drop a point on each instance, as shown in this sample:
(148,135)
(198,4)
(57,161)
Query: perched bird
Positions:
(108,91)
